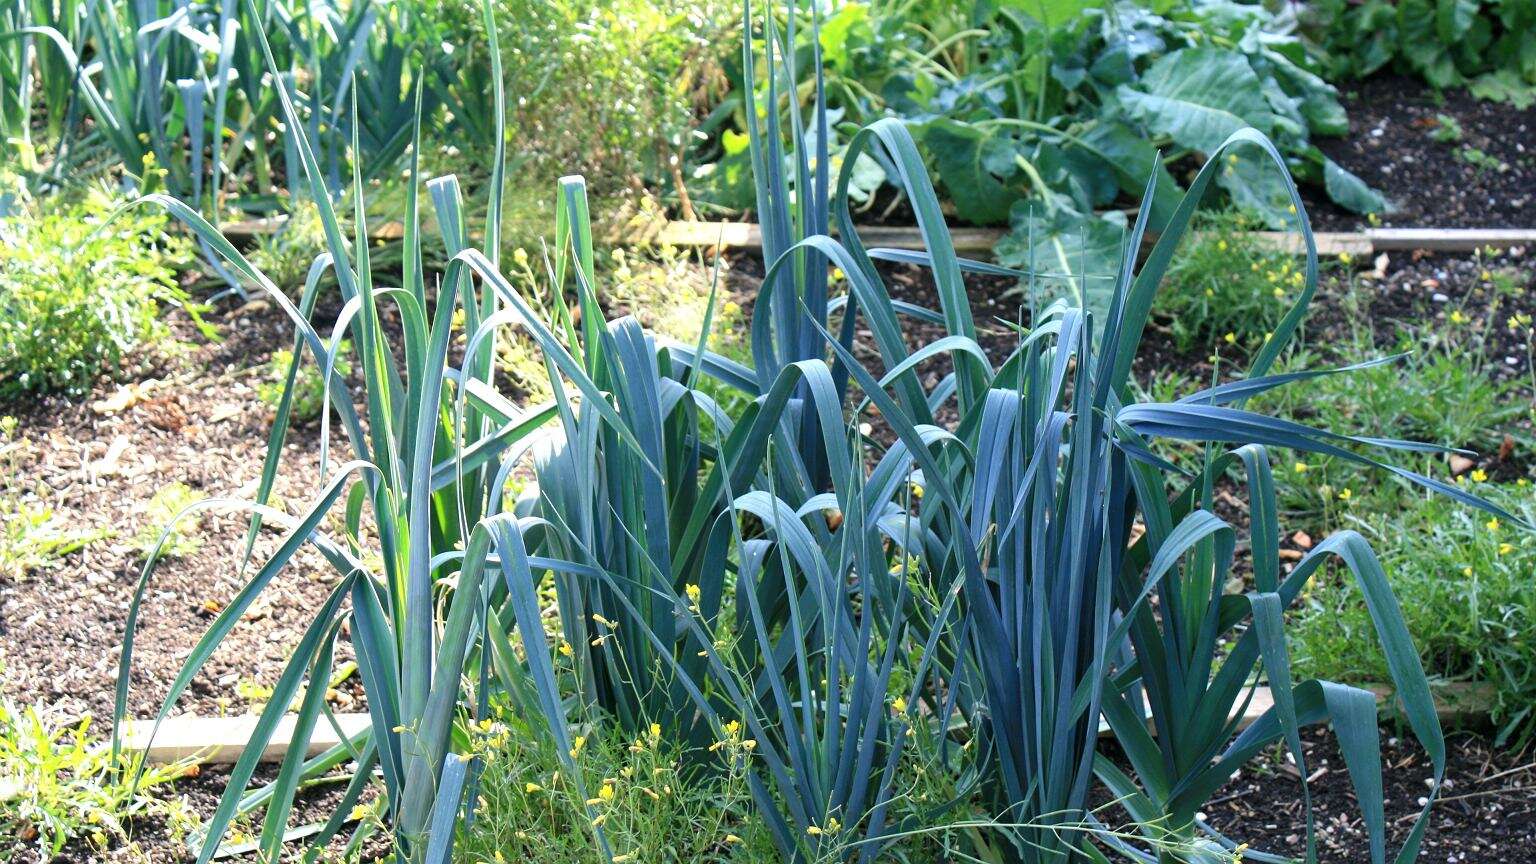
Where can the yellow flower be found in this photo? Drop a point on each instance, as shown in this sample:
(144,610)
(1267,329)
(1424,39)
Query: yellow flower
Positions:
(1506,548)
(520,255)
(620,859)
(1486,276)
(1230,338)
(1493,524)
(604,621)
(833,826)
(733,839)
(606,793)
(655,731)
(1346,495)
(900,704)
(1479,475)
(1300,467)
(576,745)
(566,650)
(1457,317)
(693,592)
(530,788)
(1221,245)
(813,831)
(1346,259)
(1279,293)
(1466,571)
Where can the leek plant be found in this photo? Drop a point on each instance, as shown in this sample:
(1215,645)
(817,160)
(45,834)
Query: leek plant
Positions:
(747,583)
(417,512)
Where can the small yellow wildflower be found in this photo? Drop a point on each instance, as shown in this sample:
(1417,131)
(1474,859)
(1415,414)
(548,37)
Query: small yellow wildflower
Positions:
(520,255)
(1457,317)
(1479,475)
(1346,259)
(1300,467)
(655,731)
(1493,525)
(1279,293)
(900,704)
(566,650)
(1466,571)
(576,745)
(531,788)
(1230,338)
(606,793)
(733,839)
(1506,548)
(1221,245)
(1346,494)
(694,592)
(813,831)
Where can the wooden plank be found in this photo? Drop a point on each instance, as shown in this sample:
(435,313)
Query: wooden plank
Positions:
(971,242)
(221,740)
(250,229)
(1448,239)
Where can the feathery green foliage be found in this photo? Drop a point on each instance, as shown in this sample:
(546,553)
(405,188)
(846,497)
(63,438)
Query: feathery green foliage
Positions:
(78,292)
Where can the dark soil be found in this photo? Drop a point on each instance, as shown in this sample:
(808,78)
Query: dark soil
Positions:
(1486,813)
(1486,179)
(191,417)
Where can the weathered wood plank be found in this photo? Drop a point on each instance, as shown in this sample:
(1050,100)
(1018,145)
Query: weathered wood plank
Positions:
(221,740)
(972,242)
(1448,239)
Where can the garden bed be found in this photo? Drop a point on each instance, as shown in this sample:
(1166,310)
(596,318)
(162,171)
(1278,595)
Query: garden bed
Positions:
(98,463)
(1445,159)
(107,456)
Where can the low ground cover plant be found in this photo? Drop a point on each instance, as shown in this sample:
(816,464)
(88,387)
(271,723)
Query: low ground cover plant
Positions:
(1485,47)
(1038,118)
(79,290)
(59,785)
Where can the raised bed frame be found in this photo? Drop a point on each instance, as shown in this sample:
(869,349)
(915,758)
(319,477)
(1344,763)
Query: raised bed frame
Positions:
(221,740)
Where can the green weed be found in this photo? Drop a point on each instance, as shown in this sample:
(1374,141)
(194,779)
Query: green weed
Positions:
(58,784)
(80,292)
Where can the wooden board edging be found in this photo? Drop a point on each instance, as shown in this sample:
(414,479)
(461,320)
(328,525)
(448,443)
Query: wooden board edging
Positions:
(979,241)
(221,740)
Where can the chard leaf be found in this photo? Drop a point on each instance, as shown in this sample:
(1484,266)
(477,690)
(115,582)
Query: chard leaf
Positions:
(1198,97)
(974,165)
